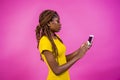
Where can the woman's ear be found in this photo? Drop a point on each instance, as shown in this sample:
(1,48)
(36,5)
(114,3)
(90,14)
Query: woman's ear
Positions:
(49,23)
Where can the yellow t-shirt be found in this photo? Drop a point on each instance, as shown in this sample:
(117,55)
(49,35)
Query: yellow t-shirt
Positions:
(45,44)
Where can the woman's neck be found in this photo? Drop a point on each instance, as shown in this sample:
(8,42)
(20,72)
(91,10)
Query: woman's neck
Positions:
(53,35)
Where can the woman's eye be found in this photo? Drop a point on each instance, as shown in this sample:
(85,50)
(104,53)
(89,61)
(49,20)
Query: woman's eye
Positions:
(56,22)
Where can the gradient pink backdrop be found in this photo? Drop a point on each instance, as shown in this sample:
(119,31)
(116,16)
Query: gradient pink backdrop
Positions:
(20,59)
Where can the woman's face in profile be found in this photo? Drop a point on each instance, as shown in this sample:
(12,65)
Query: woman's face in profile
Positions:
(55,25)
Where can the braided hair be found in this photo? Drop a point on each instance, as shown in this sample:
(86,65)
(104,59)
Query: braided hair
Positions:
(43,29)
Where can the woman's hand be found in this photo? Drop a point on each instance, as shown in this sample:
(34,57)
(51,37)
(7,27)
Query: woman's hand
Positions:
(83,49)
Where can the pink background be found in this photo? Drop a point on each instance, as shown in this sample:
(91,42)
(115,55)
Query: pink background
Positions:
(20,59)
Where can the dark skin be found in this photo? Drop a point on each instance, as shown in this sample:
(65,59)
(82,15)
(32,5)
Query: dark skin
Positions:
(55,26)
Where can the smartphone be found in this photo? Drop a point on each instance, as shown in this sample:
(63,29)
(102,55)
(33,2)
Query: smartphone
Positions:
(90,39)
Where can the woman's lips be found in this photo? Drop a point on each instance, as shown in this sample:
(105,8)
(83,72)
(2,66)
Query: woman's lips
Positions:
(59,28)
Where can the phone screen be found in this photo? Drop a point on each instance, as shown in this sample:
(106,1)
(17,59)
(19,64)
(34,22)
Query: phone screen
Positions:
(90,39)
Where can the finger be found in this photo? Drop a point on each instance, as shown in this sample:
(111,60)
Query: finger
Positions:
(90,46)
(82,45)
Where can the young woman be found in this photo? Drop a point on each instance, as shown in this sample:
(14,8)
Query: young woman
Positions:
(52,49)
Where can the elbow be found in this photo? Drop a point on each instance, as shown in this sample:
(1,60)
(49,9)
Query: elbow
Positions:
(57,71)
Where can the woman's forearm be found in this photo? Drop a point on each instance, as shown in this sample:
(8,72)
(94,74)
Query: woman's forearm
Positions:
(71,55)
(67,65)
(77,52)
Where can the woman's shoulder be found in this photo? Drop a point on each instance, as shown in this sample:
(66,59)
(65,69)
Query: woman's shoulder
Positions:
(44,38)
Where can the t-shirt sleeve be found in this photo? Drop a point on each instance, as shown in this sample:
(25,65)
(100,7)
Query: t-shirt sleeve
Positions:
(45,44)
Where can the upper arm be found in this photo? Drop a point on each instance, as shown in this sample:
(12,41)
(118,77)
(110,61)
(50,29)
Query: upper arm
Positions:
(45,48)
(50,60)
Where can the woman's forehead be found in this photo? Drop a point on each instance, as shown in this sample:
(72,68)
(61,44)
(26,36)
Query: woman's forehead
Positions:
(55,18)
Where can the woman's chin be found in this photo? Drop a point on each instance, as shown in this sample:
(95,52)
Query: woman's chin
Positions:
(58,31)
